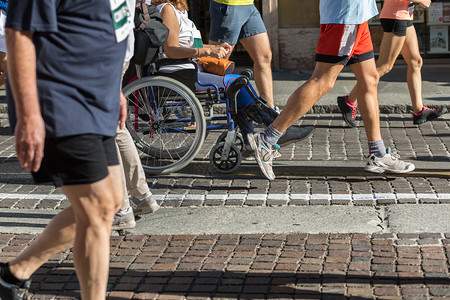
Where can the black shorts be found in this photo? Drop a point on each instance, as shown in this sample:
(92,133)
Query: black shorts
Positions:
(79,159)
(397,27)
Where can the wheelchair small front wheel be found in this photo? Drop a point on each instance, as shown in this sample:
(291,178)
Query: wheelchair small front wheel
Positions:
(239,141)
(225,166)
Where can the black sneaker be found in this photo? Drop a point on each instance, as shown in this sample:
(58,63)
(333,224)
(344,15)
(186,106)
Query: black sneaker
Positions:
(428,114)
(348,112)
(10,291)
(295,133)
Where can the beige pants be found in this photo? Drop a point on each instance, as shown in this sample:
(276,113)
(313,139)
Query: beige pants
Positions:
(134,178)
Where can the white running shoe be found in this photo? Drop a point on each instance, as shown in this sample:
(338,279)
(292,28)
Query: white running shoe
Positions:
(124,219)
(264,154)
(145,205)
(389,162)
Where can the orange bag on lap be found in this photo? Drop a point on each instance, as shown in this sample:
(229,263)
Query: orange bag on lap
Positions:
(217,66)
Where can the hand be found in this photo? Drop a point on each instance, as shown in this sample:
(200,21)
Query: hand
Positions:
(123,111)
(30,139)
(217,51)
(227,47)
(425,3)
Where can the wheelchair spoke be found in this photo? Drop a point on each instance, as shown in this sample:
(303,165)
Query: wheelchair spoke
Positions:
(166,122)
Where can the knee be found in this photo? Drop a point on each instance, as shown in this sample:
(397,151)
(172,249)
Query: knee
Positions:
(372,82)
(98,212)
(369,83)
(416,63)
(374,79)
(264,59)
(322,85)
(384,69)
(107,209)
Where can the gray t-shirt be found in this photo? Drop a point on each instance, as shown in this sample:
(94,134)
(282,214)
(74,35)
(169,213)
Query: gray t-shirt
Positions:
(79,63)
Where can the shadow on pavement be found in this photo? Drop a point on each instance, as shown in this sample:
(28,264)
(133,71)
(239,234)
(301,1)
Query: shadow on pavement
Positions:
(237,285)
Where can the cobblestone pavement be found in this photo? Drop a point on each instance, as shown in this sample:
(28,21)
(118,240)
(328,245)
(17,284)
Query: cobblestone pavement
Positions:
(325,170)
(285,266)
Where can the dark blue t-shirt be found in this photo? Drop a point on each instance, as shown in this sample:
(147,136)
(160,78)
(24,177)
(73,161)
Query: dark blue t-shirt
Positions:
(79,63)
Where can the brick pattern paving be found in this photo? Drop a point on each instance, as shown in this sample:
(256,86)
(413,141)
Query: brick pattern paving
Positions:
(331,140)
(247,187)
(282,266)
(174,191)
(288,266)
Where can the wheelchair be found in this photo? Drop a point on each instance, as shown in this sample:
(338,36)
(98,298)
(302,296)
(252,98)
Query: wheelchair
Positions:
(168,122)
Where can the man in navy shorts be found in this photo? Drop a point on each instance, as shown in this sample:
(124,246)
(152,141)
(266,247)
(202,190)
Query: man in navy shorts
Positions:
(239,20)
(64,75)
(344,40)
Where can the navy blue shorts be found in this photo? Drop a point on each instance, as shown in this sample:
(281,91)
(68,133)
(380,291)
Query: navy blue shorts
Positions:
(78,159)
(397,27)
(230,23)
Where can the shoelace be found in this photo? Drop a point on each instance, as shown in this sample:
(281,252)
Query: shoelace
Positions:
(394,155)
(272,154)
(275,151)
(354,112)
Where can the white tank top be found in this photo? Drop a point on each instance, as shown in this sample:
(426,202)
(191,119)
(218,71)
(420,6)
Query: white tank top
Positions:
(189,37)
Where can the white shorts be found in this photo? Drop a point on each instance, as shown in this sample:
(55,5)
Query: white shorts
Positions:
(2,30)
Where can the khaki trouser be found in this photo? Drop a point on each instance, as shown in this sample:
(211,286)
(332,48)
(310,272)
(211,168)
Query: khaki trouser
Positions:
(135,181)
(134,178)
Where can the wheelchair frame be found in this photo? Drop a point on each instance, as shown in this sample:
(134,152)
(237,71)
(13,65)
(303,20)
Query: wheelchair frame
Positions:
(168,124)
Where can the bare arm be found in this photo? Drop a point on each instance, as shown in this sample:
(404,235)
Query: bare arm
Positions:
(30,128)
(424,3)
(172,46)
(123,111)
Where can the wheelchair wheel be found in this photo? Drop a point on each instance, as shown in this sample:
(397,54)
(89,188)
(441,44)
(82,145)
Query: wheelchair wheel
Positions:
(166,122)
(231,164)
(239,142)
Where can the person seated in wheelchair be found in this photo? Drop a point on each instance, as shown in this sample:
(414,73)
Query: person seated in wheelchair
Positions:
(185,41)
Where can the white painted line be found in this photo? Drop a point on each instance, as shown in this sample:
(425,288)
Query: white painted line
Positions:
(341,197)
(320,197)
(300,196)
(281,197)
(426,196)
(253,197)
(359,197)
(405,196)
(32,196)
(385,196)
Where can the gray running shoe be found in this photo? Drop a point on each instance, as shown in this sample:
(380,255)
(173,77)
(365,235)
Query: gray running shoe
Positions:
(145,205)
(390,163)
(124,219)
(264,155)
(10,291)
(428,114)
(294,134)
(348,112)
